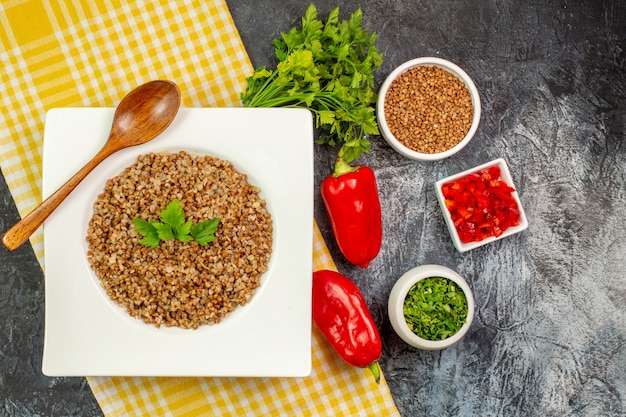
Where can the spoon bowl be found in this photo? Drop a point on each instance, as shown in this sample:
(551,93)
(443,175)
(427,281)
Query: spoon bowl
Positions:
(133,125)
(142,115)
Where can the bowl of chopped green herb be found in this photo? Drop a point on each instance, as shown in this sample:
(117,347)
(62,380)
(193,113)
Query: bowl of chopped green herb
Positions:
(431,307)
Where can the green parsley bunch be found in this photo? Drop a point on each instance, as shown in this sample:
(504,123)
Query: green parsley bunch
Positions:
(327,68)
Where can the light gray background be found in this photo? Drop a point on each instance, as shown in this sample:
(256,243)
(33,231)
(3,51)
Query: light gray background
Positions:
(549,333)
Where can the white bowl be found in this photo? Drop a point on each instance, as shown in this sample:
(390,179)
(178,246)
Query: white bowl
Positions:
(396,306)
(504,175)
(431,62)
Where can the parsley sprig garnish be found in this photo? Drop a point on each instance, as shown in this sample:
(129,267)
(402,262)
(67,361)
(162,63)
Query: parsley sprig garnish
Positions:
(327,68)
(174,226)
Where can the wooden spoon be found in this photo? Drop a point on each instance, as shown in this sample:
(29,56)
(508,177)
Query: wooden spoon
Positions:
(141,116)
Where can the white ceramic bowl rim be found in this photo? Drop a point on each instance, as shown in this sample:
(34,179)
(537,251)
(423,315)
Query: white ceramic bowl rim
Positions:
(443,64)
(400,291)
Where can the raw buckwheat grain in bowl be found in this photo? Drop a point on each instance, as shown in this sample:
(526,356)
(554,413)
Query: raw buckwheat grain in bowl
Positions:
(177,283)
(428,109)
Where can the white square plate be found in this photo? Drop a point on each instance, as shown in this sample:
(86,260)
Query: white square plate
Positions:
(505,175)
(87,334)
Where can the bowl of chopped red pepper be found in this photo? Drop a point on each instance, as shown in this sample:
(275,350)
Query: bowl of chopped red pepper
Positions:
(431,307)
(481,205)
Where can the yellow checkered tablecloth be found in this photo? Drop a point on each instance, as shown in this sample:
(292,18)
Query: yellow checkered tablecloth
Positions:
(90,53)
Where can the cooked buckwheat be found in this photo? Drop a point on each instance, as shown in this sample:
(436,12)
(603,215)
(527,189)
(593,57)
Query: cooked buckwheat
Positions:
(180,284)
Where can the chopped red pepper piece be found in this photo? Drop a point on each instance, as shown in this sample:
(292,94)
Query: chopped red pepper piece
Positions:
(481,205)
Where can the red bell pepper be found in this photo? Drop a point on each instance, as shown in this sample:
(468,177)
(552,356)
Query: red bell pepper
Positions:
(340,312)
(351,199)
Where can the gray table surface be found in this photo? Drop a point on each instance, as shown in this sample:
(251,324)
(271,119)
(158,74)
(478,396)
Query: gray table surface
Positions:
(549,334)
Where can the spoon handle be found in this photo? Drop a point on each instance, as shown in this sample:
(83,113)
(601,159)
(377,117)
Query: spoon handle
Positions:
(22,230)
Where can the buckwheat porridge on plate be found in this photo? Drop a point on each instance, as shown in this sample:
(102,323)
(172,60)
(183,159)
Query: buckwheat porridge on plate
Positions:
(180,284)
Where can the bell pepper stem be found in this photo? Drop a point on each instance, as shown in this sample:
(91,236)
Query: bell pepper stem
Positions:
(374,367)
(342,167)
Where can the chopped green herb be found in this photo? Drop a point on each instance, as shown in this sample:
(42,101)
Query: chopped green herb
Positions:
(328,68)
(435,308)
(174,226)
